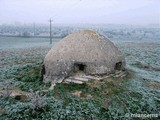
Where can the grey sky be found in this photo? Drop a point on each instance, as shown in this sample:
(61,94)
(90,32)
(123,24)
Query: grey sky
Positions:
(80,11)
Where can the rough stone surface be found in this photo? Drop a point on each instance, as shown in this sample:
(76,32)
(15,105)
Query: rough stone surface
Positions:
(85,51)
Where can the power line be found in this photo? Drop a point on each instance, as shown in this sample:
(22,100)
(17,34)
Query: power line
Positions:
(68,8)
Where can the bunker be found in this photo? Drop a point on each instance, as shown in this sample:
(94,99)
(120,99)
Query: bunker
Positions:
(85,51)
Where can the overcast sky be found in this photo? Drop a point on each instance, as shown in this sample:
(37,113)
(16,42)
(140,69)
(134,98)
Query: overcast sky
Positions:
(80,11)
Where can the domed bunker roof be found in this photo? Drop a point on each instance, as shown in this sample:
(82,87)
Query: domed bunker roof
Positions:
(84,51)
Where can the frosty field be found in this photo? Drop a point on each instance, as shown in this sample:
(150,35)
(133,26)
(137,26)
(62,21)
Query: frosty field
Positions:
(141,91)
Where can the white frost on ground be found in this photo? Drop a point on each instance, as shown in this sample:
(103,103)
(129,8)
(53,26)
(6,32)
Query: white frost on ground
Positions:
(144,80)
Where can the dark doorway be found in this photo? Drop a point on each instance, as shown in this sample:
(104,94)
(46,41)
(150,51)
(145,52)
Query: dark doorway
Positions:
(118,66)
(79,67)
(43,72)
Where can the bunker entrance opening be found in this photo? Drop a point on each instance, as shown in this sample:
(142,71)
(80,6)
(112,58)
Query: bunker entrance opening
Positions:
(118,66)
(79,67)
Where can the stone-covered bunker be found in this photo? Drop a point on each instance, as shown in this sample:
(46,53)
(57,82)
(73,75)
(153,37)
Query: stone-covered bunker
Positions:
(85,51)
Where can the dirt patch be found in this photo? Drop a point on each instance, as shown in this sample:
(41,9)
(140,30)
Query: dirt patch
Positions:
(2,111)
(17,93)
(155,85)
(77,93)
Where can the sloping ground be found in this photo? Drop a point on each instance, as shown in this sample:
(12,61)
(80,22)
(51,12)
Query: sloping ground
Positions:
(109,99)
(17,59)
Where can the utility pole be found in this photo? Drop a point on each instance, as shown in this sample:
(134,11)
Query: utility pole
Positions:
(34,29)
(50,21)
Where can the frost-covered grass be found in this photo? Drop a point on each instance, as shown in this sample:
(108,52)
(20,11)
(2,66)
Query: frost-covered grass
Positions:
(12,61)
(137,93)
